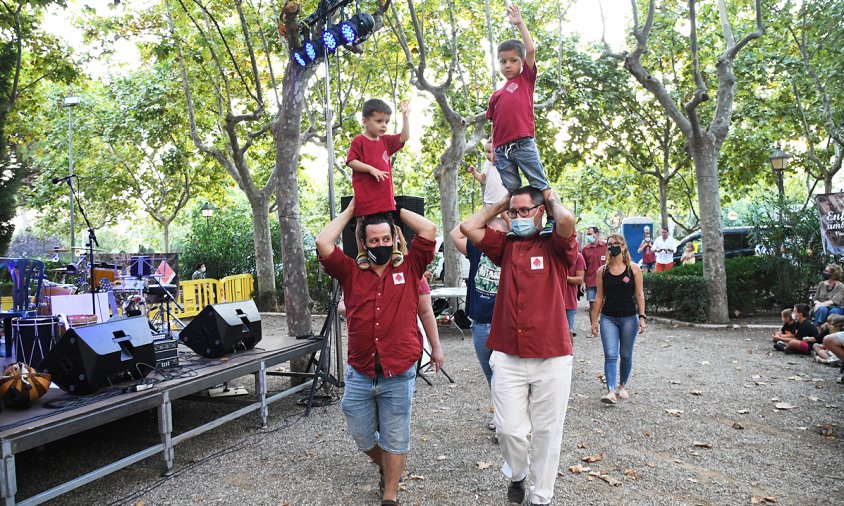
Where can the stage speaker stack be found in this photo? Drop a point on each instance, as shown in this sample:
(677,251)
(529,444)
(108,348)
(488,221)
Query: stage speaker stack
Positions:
(222,329)
(88,358)
(409,202)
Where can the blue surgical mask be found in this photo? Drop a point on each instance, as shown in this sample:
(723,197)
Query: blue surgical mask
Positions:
(523,227)
(590,239)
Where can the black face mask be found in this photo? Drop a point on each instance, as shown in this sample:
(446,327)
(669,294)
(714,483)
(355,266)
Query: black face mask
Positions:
(614,250)
(380,255)
(825,275)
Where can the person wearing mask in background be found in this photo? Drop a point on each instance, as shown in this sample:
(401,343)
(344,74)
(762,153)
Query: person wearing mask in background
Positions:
(620,302)
(574,280)
(664,246)
(595,255)
(646,248)
(481,289)
(199,273)
(829,297)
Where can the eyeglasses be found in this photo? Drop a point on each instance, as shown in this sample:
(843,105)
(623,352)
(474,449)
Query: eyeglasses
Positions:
(523,212)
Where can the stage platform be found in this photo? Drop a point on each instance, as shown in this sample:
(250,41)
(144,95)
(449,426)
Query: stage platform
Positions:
(22,430)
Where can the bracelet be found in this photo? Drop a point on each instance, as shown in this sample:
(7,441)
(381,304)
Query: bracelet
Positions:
(643,317)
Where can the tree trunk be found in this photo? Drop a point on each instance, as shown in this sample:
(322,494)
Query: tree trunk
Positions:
(705,158)
(264,267)
(286,129)
(165,232)
(446,175)
(663,204)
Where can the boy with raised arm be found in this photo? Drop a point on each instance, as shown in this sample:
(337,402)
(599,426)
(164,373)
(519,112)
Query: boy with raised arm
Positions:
(511,111)
(372,173)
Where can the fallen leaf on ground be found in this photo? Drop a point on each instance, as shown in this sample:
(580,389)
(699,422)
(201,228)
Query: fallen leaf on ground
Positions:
(593,458)
(672,382)
(416,477)
(737,425)
(650,464)
(696,392)
(698,444)
(692,480)
(755,376)
(631,473)
(694,453)
(577,469)
(784,405)
(705,362)
(795,378)
(678,461)
(674,412)
(760,383)
(763,500)
(610,480)
(743,411)
(441,457)
(775,399)
(483,465)
(582,444)
(664,345)
(814,399)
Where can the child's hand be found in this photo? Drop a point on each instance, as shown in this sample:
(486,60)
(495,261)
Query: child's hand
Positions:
(379,175)
(472,169)
(514,14)
(405,107)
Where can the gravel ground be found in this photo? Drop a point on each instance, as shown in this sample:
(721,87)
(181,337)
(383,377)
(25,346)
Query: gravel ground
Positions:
(701,427)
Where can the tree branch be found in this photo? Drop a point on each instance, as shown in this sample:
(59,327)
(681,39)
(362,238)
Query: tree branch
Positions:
(701,94)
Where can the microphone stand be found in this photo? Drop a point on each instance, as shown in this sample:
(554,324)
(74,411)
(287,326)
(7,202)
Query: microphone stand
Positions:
(92,240)
(168,297)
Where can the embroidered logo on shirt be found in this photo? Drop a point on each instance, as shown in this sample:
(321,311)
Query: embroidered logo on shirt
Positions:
(625,279)
(537,263)
(386,157)
(398,278)
(603,258)
(512,87)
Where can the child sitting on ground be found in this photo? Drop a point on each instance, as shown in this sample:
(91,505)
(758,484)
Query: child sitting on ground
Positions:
(789,327)
(372,174)
(511,111)
(804,338)
(833,325)
(490,179)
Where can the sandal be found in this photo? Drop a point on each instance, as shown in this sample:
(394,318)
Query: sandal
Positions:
(622,394)
(397,258)
(363,261)
(609,398)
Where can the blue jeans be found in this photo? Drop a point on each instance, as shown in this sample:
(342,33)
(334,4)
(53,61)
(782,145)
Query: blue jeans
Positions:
(570,314)
(480,333)
(520,154)
(618,333)
(378,409)
(823,312)
(591,292)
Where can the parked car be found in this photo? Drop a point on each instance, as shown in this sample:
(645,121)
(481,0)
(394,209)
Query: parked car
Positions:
(439,262)
(737,243)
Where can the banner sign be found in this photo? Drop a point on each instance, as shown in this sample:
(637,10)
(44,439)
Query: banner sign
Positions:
(831,213)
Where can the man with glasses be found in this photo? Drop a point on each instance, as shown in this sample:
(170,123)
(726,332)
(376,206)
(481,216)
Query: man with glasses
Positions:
(532,352)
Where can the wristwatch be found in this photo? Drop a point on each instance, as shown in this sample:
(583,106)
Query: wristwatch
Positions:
(643,317)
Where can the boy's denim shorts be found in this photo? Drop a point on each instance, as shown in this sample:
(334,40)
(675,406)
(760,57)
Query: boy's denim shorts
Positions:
(378,409)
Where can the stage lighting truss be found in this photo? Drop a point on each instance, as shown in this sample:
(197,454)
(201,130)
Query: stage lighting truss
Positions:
(350,32)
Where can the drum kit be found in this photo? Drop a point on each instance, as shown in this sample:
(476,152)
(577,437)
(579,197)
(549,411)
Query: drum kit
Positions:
(137,290)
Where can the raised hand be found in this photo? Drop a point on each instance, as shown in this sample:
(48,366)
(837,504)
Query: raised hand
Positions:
(514,14)
(405,107)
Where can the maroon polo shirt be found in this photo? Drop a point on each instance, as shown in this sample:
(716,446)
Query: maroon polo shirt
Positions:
(373,196)
(595,255)
(381,311)
(531,290)
(511,108)
(571,290)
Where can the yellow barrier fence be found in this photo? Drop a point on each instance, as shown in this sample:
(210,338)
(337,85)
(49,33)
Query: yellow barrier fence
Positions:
(6,303)
(236,288)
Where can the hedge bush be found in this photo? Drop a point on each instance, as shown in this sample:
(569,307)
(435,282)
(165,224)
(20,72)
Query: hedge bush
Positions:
(754,284)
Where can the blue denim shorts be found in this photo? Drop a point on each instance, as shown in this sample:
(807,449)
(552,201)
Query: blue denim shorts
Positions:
(378,409)
(591,292)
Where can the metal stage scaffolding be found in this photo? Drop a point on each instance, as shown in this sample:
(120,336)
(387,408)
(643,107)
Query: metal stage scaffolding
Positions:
(25,430)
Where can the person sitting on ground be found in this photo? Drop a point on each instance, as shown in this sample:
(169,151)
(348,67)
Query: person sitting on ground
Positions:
(789,327)
(834,324)
(834,343)
(829,297)
(807,334)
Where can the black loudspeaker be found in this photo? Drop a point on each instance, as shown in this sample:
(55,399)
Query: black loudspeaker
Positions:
(221,329)
(409,202)
(88,358)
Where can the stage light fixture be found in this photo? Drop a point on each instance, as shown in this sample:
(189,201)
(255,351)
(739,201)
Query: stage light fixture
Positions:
(357,28)
(314,50)
(299,57)
(332,39)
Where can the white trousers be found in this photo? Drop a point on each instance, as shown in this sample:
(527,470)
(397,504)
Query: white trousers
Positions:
(530,396)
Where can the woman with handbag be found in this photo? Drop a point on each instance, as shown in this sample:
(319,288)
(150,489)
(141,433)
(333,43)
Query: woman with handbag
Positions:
(620,302)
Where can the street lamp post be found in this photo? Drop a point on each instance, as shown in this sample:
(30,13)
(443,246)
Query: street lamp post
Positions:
(207,211)
(779,163)
(70,103)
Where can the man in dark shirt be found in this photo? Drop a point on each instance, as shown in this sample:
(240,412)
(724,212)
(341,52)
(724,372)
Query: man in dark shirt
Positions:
(384,344)
(532,353)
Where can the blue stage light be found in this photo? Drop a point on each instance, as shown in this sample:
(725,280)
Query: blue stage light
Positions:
(357,28)
(299,58)
(330,39)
